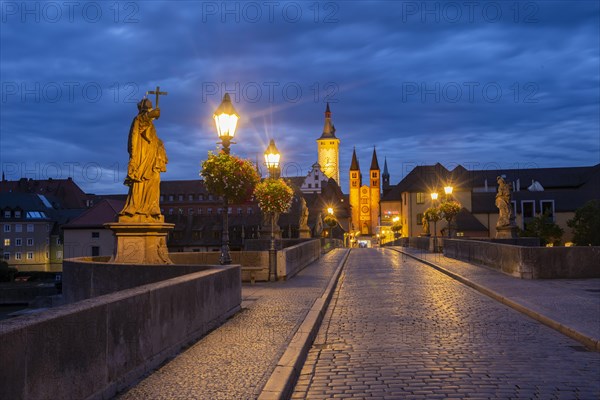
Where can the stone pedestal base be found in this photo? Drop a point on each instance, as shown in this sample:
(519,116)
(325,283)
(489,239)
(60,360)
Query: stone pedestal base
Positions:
(304,233)
(506,232)
(140,242)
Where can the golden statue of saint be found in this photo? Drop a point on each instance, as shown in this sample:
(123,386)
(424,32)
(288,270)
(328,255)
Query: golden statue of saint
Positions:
(147,159)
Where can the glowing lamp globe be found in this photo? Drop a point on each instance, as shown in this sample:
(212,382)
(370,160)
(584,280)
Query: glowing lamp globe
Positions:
(226,118)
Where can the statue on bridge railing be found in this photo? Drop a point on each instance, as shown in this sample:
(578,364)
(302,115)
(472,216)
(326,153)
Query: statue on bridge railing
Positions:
(505,227)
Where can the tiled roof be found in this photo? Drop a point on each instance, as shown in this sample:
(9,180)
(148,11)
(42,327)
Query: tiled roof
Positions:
(95,217)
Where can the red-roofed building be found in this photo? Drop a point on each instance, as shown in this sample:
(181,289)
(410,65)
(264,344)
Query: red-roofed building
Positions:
(86,236)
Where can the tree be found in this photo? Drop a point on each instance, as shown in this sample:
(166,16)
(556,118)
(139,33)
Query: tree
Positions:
(545,229)
(229,176)
(586,224)
(273,196)
(449,210)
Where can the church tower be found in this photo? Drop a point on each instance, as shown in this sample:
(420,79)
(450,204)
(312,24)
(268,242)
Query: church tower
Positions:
(355,184)
(374,184)
(328,149)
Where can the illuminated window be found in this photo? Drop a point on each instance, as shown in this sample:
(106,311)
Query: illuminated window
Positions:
(420,198)
(6,242)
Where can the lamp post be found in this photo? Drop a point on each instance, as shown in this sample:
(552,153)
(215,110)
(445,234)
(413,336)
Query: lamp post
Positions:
(330,212)
(448,190)
(434,197)
(272,157)
(226,118)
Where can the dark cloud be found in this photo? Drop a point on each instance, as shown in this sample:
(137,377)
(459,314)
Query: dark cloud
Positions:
(510,82)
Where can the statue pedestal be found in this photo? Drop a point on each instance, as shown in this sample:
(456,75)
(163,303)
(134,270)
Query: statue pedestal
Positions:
(506,232)
(140,242)
(304,233)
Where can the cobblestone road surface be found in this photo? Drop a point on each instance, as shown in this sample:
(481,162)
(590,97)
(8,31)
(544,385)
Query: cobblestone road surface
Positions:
(397,330)
(235,360)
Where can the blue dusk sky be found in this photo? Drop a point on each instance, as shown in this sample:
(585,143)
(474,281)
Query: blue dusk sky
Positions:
(499,84)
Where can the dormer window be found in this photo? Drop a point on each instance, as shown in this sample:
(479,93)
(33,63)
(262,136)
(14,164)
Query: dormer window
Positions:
(6,214)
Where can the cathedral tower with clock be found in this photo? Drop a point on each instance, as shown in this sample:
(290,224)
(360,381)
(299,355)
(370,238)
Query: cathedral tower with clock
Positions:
(364,199)
(329,149)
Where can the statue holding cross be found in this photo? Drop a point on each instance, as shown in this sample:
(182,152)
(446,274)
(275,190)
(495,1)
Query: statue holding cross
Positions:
(147,159)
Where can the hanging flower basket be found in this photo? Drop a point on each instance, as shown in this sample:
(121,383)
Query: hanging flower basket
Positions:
(229,176)
(273,196)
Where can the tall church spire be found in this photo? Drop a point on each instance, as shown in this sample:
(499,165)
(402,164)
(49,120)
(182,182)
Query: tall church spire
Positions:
(354,164)
(385,177)
(328,128)
(374,163)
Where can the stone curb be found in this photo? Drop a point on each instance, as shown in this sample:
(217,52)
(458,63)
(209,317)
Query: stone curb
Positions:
(588,341)
(281,382)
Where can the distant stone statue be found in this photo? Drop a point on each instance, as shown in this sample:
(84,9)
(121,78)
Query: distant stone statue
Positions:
(425,222)
(503,202)
(303,222)
(318,226)
(147,159)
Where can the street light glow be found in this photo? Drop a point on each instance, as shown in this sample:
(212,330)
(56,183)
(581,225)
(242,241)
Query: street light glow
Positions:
(448,189)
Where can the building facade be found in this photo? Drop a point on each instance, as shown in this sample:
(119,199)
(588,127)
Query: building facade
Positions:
(364,198)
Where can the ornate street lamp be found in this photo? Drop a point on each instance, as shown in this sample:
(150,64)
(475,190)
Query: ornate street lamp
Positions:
(272,158)
(226,119)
